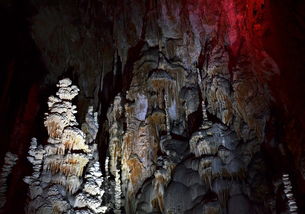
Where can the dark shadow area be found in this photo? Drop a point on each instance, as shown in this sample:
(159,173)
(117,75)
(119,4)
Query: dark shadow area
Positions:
(21,76)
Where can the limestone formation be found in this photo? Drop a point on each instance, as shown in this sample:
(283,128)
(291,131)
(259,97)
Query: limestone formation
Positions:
(9,162)
(58,184)
(184,108)
(289,194)
(36,154)
(90,199)
(90,127)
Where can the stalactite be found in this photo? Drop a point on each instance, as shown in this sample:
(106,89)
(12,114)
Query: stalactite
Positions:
(9,162)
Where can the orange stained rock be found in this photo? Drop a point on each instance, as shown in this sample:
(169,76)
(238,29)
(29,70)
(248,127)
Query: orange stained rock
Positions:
(160,84)
(70,166)
(157,118)
(135,172)
(128,143)
(68,145)
(54,129)
(72,161)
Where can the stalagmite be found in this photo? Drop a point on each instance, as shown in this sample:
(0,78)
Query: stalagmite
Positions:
(60,165)
(90,198)
(107,167)
(36,154)
(205,123)
(118,192)
(168,128)
(116,133)
(74,139)
(90,127)
(66,91)
(199,81)
(10,160)
(293,208)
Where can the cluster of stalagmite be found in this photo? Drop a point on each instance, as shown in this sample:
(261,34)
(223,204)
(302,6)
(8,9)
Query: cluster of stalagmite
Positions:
(59,166)
(186,87)
(36,154)
(9,162)
(89,200)
(66,167)
(181,144)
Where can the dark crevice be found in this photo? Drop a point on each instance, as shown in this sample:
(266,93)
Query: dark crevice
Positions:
(194,120)
(113,83)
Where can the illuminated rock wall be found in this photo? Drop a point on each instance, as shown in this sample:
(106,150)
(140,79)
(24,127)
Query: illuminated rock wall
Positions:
(187,117)
(60,183)
(185,104)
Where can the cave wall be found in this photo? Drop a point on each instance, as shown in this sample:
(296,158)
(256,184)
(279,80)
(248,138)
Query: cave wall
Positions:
(152,69)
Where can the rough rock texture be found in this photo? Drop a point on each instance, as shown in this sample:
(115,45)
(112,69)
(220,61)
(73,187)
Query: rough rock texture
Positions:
(60,176)
(9,162)
(193,93)
(289,194)
(186,108)
(56,184)
(187,57)
(90,199)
